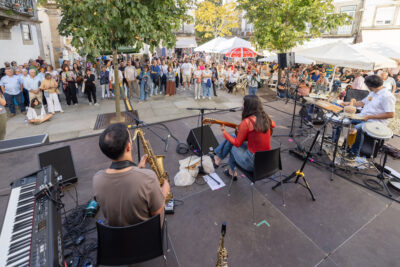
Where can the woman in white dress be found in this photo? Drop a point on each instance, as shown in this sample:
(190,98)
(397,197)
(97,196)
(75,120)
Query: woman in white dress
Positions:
(32,115)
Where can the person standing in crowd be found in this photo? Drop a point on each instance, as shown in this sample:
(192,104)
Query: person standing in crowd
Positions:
(31,84)
(3,117)
(90,87)
(214,78)
(145,84)
(113,79)
(124,83)
(177,70)
(170,87)
(105,82)
(11,88)
(197,83)
(186,70)
(155,78)
(358,82)
(164,76)
(206,76)
(24,78)
(41,74)
(140,196)
(388,82)
(253,79)
(78,76)
(68,78)
(53,73)
(130,76)
(49,87)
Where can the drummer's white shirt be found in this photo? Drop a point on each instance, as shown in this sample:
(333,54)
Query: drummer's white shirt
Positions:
(377,103)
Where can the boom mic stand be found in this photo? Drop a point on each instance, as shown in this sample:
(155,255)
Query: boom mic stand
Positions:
(201,168)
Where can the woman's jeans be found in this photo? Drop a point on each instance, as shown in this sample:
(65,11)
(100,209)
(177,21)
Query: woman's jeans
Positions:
(206,90)
(253,90)
(237,155)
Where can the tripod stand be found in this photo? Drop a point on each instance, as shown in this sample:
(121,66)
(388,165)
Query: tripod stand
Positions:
(300,174)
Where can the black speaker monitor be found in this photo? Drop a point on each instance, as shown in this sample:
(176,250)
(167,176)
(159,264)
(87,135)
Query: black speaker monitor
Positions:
(61,160)
(209,140)
(282,60)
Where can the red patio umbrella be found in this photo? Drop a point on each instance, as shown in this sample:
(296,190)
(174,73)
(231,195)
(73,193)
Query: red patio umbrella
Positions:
(241,52)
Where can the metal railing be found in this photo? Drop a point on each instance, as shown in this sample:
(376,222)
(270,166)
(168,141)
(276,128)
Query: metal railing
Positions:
(20,6)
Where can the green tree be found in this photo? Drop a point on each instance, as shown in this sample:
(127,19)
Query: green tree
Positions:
(214,19)
(280,25)
(99,25)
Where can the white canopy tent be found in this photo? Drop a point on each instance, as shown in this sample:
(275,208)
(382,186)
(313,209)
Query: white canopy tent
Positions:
(229,44)
(385,49)
(210,46)
(346,55)
(298,59)
(186,42)
(321,41)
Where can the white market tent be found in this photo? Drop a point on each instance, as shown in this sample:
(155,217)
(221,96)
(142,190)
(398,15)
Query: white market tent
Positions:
(385,49)
(210,46)
(346,55)
(298,59)
(186,42)
(321,41)
(229,44)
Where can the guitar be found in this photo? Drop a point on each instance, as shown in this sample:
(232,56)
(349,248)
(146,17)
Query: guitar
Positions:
(227,124)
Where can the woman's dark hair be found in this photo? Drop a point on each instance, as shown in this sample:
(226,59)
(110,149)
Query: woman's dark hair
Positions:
(113,140)
(47,76)
(32,105)
(87,69)
(253,106)
(373,81)
(65,66)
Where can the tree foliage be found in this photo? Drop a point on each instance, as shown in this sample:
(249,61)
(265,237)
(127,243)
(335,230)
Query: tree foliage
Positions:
(280,25)
(214,19)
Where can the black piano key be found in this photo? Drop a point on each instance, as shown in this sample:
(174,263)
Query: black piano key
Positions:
(21,234)
(25,195)
(24,216)
(23,209)
(21,225)
(19,245)
(23,202)
(17,257)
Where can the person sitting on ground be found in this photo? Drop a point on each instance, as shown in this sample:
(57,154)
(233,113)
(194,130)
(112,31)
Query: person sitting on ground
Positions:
(127,194)
(255,128)
(32,115)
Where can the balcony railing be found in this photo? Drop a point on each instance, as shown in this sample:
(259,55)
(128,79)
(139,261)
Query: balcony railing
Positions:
(19,6)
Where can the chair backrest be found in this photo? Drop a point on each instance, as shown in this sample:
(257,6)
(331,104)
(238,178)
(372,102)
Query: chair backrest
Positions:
(356,94)
(131,244)
(266,163)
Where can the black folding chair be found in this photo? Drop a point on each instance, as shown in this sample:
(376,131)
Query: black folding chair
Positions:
(132,244)
(266,164)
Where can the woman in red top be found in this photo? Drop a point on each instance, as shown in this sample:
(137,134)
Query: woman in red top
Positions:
(255,128)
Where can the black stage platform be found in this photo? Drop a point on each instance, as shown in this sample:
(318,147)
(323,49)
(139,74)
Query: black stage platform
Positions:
(346,226)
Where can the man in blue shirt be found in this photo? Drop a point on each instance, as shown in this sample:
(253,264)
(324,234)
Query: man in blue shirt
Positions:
(11,88)
(315,75)
(155,77)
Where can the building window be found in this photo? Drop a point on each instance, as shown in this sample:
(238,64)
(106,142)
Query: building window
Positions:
(26,32)
(351,11)
(384,15)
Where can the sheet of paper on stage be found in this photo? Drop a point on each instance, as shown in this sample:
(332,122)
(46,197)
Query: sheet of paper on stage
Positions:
(211,183)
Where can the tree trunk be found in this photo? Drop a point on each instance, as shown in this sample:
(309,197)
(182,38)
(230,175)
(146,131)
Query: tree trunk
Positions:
(117,88)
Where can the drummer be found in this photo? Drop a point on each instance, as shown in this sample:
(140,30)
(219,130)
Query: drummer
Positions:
(378,106)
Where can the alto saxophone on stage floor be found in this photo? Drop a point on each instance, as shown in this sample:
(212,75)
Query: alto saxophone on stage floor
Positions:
(222,260)
(156,162)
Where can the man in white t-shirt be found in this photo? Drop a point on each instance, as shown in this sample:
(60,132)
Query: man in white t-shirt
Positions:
(388,82)
(378,106)
(186,70)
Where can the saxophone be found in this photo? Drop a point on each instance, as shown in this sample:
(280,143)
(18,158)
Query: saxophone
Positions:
(156,162)
(222,260)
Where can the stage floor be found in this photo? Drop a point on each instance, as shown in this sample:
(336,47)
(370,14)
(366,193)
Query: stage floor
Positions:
(347,225)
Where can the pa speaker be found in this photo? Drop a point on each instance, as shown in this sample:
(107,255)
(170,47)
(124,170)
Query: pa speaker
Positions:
(209,140)
(282,60)
(61,160)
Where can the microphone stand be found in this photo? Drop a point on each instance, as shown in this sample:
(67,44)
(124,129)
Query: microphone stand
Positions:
(201,168)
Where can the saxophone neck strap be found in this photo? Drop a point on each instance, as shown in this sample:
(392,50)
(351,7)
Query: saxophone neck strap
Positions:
(119,165)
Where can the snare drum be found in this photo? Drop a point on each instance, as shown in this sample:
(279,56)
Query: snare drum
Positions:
(377,130)
(337,120)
